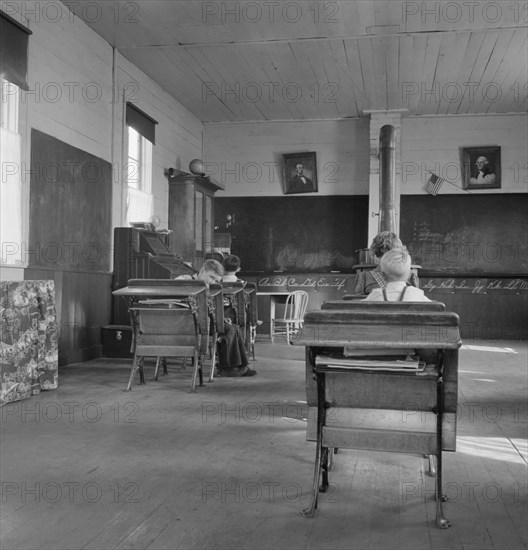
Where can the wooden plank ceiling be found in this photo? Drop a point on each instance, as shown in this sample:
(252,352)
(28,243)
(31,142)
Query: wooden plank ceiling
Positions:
(318,59)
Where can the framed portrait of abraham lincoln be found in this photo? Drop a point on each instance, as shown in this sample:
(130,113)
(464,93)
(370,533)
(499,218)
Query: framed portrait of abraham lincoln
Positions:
(299,173)
(481,167)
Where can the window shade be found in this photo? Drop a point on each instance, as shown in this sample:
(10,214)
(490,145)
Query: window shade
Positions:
(141,122)
(13,51)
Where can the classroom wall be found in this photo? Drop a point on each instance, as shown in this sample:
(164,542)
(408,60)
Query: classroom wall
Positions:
(178,135)
(487,286)
(78,87)
(432,143)
(247,157)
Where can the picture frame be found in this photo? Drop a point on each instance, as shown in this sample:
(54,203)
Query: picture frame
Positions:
(481,167)
(299,173)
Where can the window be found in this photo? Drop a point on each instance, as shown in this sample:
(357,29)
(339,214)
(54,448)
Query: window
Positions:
(9,107)
(139,177)
(136,154)
(11,180)
(140,132)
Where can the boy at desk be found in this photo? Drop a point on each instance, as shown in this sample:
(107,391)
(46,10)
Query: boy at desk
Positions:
(231,268)
(231,348)
(396,268)
(366,281)
(232,356)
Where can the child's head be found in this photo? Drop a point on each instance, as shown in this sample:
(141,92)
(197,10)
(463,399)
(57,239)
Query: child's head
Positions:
(231,263)
(211,272)
(396,265)
(383,242)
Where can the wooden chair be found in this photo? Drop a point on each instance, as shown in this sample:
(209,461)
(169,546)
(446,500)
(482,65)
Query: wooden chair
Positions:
(292,320)
(169,319)
(252,322)
(361,403)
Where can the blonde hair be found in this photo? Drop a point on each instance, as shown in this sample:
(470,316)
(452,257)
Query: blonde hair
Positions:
(213,266)
(396,265)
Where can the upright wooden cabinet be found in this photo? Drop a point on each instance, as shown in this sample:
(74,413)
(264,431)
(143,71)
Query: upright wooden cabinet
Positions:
(191,216)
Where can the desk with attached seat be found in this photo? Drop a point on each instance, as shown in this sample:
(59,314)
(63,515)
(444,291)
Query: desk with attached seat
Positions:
(234,298)
(169,319)
(356,397)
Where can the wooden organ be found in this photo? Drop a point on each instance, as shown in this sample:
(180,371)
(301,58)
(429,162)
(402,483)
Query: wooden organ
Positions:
(142,254)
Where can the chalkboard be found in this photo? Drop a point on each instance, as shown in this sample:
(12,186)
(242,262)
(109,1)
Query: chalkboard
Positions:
(479,234)
(295,234)
(70,207)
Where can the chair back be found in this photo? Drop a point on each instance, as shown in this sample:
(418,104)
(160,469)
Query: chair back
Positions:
(296,305)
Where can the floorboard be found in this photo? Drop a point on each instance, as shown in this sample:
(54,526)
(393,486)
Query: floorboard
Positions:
(90,466)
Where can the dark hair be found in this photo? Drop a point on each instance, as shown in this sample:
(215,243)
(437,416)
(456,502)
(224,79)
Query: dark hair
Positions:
(385,241)
(231,263)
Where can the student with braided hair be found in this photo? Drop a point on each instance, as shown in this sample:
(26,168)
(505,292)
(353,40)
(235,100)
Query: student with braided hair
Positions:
(367,281)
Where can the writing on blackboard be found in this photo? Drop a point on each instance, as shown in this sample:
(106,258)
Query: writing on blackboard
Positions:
(302,282)
(422,232)
(476,286)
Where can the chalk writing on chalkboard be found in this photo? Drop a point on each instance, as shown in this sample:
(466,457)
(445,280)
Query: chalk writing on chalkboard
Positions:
(467,235)
(302,282)
(422,232)
(475,286)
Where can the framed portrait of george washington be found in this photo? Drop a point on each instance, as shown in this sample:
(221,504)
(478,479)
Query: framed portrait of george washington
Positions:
(481,167)
(299,173)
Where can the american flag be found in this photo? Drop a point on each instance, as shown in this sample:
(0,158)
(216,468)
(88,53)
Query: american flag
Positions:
(433,185)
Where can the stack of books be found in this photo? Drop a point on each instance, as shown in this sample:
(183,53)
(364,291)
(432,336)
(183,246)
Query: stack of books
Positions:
(393,364)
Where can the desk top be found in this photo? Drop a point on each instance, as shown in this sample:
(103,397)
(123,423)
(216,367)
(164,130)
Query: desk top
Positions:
(232,289)
(214,290)
(378,329)
(165,291)
(357,305)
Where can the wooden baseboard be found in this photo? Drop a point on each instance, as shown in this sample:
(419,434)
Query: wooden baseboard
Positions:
(79,355)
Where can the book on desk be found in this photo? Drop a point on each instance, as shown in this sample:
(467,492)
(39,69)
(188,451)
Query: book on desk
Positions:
(388,363)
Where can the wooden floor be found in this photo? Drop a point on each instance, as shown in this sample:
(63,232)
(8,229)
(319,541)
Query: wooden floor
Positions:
(91,466)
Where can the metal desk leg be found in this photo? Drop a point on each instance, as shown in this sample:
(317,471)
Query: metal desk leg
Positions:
(441,521)
(321,413)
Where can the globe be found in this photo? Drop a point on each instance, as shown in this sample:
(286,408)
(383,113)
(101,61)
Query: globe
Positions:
(196,167)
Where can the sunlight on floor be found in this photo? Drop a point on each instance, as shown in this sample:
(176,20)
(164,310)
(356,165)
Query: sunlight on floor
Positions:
(498,448)
(488,348)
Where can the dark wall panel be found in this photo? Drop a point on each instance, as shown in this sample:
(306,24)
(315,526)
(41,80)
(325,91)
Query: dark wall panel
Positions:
(69,240)
(70,207)
(467,234)
(308,234)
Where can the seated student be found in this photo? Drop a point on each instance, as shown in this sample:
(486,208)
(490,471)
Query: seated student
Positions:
(396,268)
(211,272)
(231,268)
(231,348)
(366,281)
(395,265)
(231,353)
